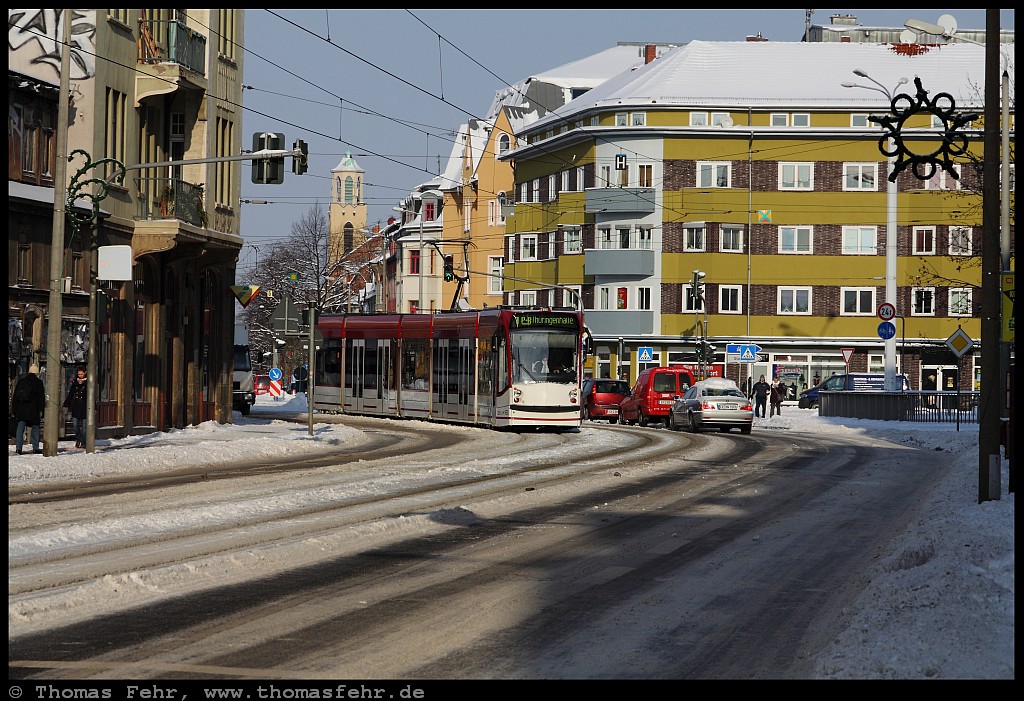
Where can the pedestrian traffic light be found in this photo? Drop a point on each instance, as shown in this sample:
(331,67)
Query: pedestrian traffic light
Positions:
(300,163)
(449,267)
(268,171)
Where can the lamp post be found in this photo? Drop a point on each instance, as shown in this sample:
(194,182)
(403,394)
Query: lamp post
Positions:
(890,229)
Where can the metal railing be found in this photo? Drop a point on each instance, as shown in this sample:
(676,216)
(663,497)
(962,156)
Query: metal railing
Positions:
(183,46)
(169,198)
(920,406)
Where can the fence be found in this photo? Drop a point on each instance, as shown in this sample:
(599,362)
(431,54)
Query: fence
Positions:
(921,406)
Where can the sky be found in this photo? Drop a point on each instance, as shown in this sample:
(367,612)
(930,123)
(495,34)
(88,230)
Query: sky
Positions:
(393,85)
(940,603)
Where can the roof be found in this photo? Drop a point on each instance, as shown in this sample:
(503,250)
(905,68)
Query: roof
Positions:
(740,75)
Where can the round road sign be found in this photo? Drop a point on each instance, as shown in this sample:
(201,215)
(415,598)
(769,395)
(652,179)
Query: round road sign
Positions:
(275,373)
(886,311)
(886,330)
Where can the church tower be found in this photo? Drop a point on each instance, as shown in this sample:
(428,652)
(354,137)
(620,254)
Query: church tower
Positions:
(348,209)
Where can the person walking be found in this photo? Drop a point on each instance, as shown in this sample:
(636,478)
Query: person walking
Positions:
(75,402)
(27,406)
(777,396)
(759,394)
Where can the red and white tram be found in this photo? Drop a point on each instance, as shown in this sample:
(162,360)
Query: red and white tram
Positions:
(501,367)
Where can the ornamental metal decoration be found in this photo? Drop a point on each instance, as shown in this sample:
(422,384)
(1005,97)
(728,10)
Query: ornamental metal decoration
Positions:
(76,185)
(954,143)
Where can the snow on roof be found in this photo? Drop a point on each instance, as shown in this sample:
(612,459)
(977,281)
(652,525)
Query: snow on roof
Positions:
(739,75)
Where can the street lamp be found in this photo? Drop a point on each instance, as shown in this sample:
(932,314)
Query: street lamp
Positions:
(890,228)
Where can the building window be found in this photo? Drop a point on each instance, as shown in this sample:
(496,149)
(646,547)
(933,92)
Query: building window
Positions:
(24,263)
(226,32)
(924,240)
(510,249)
(959,240)
(524,192)
(496,269)
(114,134)
(502,203)
(535,187)
(800,119)
(859,240)
(796,239)
(711,174)
(923,301)
(579,179)
(622,298)
(225,173)
(572,238)
(643,298)
(606,176)
(492,208)
(794,300)
(604,297)
(604,238)
(779,119)
(860,176)
(638,119)
(622,234)
(731,239)
(941,180)
(429,210)
(350,188)
(644,238)
(859,121)
(570,295)
(693,237)
(858,301)
(622,119)
(960,302)
(552,188)
(595,121)
(719,118)
(645,175)
(729,297)
(504,143)
(698,119)
(528,247)
(796,176)
(565,181)
(689,303)
(414,261)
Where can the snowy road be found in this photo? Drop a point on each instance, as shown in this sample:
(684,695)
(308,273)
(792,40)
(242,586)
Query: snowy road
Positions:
(491,556)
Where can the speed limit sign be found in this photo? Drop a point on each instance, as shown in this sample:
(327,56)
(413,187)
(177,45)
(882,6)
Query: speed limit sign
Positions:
(886,311)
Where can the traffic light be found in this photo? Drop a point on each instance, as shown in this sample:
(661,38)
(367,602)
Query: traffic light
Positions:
(708,352)
(696,291)
(449,267)
(268,171)
(299,163)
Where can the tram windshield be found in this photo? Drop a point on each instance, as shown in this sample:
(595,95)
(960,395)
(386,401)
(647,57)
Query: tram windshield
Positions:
(544,355)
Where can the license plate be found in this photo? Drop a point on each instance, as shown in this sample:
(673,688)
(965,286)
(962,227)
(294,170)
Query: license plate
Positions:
(728,406)
(611,411)
(666,402)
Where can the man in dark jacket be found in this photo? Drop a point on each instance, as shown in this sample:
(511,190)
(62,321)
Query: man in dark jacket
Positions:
(27,406)
(75,401)
(759,393)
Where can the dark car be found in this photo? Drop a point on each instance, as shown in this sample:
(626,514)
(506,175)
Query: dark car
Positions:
(848,382)
(712,403)
(601,398)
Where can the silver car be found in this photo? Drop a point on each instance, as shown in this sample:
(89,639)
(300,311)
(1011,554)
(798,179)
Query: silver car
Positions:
(712,403)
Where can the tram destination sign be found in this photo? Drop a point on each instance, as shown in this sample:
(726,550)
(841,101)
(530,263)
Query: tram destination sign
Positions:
(559,321)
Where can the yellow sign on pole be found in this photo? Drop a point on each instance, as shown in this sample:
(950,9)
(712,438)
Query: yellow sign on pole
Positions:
(1006,333)
(245,293)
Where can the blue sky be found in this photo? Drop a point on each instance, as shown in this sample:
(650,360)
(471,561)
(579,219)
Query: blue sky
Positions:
(384,85)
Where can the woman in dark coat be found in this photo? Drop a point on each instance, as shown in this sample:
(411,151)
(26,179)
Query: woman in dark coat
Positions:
(75,401)
(27,406)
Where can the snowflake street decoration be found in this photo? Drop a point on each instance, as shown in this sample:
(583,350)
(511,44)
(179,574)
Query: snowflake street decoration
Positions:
(954,143)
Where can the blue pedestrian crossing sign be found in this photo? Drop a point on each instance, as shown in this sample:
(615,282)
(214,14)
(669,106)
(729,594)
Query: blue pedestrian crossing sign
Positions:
(747,352)
(645,354)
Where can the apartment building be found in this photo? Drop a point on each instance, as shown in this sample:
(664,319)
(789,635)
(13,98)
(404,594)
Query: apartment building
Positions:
(147,87)
(752,164)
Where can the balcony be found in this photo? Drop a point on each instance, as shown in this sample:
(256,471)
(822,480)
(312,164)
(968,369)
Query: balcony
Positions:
(170,56)
(612,200)
(168,198)
(619,263)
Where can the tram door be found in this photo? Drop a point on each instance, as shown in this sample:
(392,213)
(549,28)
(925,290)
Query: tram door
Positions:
(386,365)
(355,355)
(453,379)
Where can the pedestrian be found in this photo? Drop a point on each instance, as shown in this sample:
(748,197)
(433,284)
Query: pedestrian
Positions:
(793,392)
(777,395)
(27,406)
(817,379)
(75,402)
(759,394)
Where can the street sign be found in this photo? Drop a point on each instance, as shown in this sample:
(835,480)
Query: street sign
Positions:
(285,318)
(275,373)
(645,354)
(847,354)
(1006,333)
(959,342)
(245,293)
(886,311)
(747,352)
(886,330)
(275,388)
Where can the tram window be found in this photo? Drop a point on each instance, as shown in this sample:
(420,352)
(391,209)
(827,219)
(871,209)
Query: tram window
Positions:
(348,363)
(370,379)
(414,364)
(330,357)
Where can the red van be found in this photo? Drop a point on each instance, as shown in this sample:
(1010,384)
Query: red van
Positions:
(653,395)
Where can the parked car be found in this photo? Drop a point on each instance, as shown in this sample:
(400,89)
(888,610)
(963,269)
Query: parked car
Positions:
(849,382)
(656,389)
(261,385)
(712,403)
(601,398)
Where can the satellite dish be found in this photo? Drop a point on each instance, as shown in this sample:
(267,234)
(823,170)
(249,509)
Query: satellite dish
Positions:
(948,22)
(727,122)
(908,36)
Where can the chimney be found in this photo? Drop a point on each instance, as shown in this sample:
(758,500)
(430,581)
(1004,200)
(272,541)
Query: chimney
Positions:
(650,53)
(758,37)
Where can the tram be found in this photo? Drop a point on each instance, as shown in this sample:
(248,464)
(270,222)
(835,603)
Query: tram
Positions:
(502,367)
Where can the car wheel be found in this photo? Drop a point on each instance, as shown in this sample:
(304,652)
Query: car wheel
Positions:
(642,418)
(745,430)
(672,421)
(613,420)
(723,429)
(692,424)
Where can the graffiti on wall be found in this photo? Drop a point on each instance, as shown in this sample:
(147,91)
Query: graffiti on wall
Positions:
(46,29)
